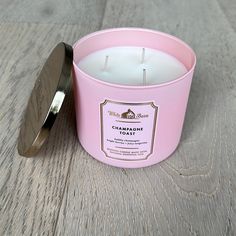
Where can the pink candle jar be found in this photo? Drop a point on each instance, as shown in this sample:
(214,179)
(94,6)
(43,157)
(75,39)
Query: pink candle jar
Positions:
(156,112)
(124,119)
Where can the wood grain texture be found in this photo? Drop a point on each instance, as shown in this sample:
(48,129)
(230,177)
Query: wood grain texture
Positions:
(66,192)
(31,190)
(79,12)
(229,9)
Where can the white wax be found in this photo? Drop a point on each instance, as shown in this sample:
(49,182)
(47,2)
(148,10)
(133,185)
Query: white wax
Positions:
(124,66)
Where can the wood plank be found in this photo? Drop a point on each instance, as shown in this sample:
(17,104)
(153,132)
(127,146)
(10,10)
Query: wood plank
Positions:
(80,12)
(193,192)
(229,9)
(31,190)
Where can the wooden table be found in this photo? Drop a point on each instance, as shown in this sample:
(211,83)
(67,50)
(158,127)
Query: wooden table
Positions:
(64,191)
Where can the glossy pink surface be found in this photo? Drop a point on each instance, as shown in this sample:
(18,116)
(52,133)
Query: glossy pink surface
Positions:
(171,98)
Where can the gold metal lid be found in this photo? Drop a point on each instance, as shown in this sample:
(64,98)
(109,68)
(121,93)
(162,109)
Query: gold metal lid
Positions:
(46,100)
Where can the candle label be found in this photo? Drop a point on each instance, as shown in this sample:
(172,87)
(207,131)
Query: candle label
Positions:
(128,129)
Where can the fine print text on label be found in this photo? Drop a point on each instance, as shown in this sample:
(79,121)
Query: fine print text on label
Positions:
(128,129)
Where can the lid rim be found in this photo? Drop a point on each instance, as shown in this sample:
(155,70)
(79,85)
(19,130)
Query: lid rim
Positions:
(46,100)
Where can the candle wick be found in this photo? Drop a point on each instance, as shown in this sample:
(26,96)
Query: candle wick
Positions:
(144,77)
(143,55)
(106,63)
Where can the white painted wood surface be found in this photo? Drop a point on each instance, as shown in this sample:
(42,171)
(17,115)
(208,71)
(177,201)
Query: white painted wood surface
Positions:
(64,191)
